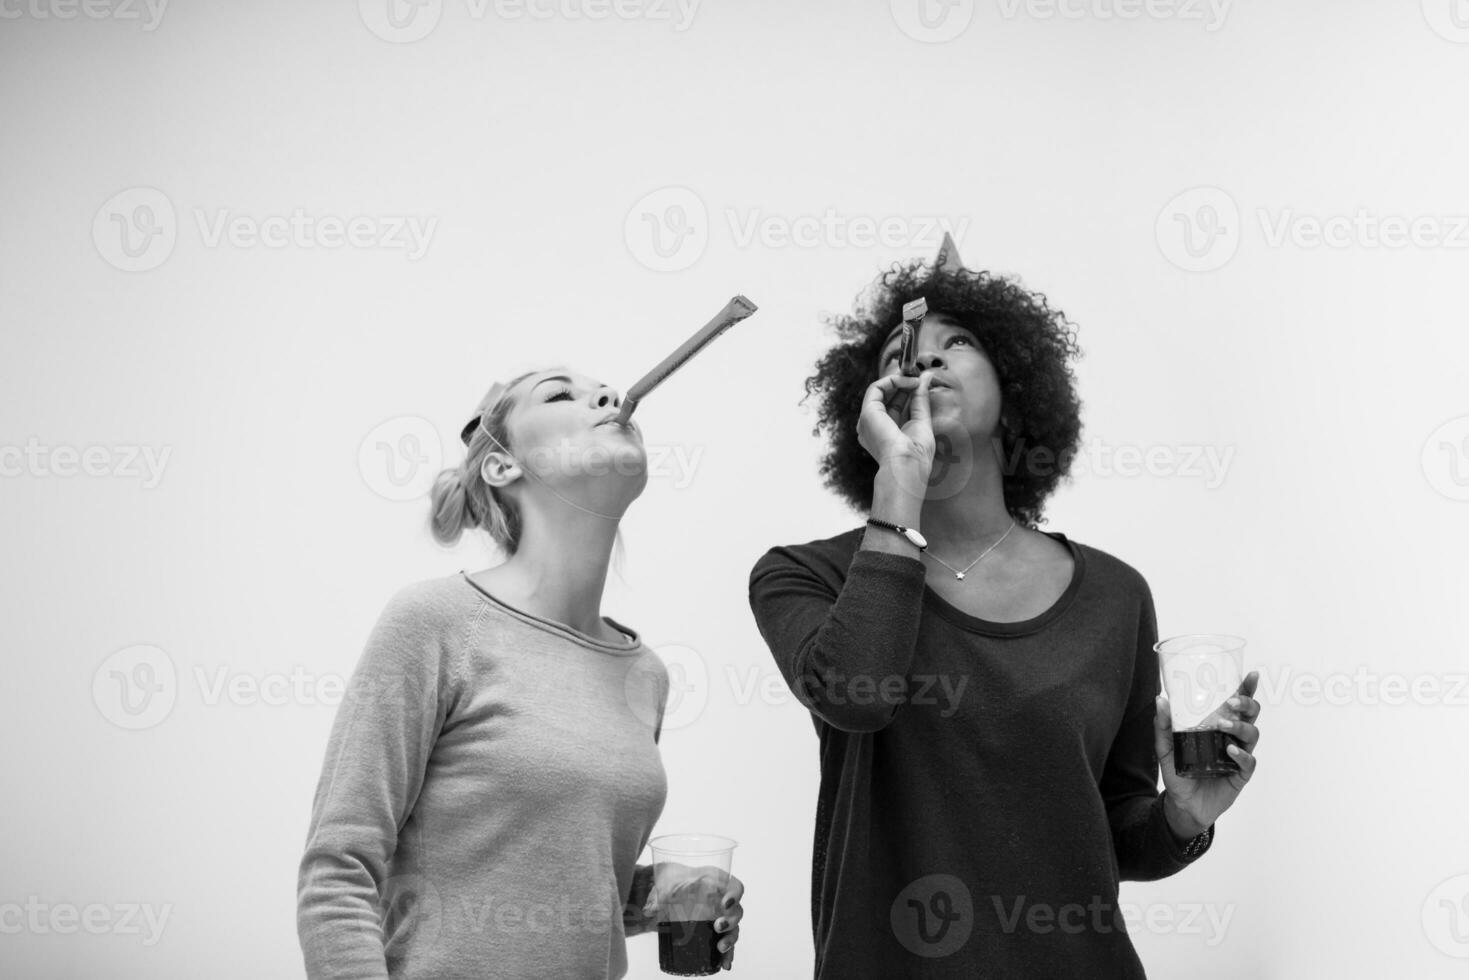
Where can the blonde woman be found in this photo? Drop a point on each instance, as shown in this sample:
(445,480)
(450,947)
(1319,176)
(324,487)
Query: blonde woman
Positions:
(493,773)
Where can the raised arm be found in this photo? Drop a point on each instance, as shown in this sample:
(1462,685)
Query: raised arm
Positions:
(385,728)
(845,647)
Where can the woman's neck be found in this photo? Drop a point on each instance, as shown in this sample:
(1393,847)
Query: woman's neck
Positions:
(963,510)
(559,569)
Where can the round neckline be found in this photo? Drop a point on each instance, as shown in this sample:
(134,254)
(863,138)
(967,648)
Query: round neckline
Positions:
(976,624)
(633,645)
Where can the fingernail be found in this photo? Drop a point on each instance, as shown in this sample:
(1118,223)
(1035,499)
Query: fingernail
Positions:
(728,902)
(719,925)
(1234,702)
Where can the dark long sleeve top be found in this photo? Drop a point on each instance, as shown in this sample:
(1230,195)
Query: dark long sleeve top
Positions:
(985,786)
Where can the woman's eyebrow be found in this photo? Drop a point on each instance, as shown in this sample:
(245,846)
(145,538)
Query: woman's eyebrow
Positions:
(938,321)
(553,377)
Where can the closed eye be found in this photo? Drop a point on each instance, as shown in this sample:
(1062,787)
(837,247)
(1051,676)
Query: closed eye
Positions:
(562,394)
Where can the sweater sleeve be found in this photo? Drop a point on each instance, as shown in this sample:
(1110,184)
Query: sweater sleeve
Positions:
(384,731)
(1145,845)
(823,638)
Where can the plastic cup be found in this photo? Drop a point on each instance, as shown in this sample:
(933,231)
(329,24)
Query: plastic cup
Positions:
(1201,671)
(690,877)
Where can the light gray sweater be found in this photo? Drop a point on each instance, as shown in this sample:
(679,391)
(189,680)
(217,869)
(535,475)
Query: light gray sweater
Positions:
(490,780)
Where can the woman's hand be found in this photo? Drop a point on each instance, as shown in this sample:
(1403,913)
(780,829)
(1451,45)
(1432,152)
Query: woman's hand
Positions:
(699,894)
(888,437)
(1193,804)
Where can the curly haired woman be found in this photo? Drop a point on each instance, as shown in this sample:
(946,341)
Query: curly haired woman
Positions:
(985,693)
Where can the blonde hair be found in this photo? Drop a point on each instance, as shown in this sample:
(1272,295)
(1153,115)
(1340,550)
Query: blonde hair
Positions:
(461,499)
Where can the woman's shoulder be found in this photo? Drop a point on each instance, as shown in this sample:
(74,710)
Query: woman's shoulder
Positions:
(1110,571)
(829,555)
(431,603)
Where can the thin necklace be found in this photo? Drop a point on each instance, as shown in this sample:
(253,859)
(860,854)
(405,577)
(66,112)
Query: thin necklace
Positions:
(960,574)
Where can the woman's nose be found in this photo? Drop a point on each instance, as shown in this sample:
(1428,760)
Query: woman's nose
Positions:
(929,361)
(604,396)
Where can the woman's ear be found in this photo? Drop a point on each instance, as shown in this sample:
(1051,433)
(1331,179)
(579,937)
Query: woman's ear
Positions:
(499,468)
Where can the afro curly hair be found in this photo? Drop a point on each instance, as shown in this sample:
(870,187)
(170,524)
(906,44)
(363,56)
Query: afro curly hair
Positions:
(1028,343)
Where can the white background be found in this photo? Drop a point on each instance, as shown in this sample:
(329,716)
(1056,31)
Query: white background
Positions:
(1061,139)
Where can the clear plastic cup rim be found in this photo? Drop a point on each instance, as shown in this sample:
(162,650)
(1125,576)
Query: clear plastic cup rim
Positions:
(1229,642)
(715,843)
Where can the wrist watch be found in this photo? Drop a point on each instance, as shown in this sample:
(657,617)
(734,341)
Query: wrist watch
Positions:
(914,538)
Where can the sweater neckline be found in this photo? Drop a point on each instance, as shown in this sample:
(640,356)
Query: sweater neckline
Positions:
(633,645)
(1020,627)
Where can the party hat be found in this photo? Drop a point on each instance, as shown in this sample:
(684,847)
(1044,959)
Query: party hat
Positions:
(485,404)
(948,258)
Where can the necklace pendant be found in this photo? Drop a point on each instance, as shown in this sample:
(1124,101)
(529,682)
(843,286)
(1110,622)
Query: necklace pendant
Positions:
(959,575)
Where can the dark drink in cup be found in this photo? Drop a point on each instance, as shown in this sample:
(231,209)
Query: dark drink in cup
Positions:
(1203,753)
(689,948)
(690,880)
(1201,672)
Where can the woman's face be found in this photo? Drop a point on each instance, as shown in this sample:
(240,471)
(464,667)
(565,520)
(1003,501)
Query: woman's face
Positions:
(561,428)
(964,395)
